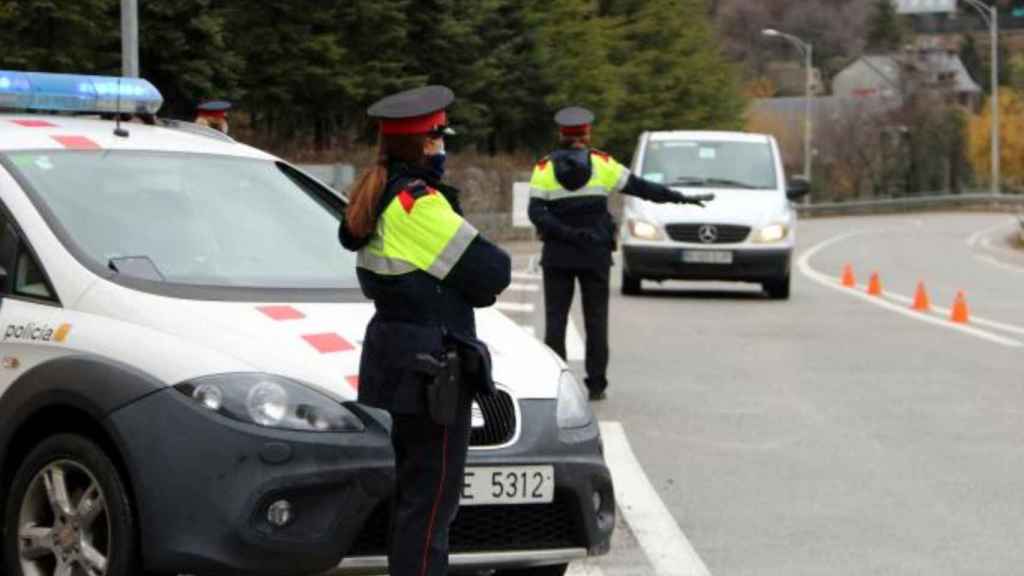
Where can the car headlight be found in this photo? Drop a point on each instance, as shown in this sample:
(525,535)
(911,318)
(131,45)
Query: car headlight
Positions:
(271,401)
(645,230)
(772,233)
(573,406)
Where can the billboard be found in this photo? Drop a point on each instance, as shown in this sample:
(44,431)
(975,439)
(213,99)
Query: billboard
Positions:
(925,6)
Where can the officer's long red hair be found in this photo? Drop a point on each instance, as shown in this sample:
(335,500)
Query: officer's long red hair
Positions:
(361,215)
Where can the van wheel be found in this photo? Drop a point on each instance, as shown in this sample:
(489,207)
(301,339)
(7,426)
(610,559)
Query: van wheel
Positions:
(554,570)
(68,513)
(777,289)
(630,284)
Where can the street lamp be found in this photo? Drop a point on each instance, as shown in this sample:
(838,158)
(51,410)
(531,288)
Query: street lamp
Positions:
(808,51)
(990,14)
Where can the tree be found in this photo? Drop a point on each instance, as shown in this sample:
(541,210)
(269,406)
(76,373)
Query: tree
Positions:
(979,137)
(71,37)
(573,43)
(886,31)
(184,51)
(673,72)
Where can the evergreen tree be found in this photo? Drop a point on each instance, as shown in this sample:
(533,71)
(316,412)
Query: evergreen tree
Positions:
(374,35)
(71,37)
(673,72)
(183,50)
(886,31)
(572,49)
(295,78)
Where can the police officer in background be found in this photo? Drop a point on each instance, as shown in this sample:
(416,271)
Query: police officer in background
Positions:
(569,206)
(426,269)
(213,114)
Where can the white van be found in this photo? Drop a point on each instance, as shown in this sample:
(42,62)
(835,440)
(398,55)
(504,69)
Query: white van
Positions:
(746,234)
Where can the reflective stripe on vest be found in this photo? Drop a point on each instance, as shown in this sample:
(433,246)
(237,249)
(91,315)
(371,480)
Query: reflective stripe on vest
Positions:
(607,176)
(421,234)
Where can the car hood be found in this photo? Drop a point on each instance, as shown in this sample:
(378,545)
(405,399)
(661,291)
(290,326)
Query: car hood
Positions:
(316,343)
(730,206)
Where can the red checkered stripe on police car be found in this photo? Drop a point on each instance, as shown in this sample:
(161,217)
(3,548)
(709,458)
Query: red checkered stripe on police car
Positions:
(324,343)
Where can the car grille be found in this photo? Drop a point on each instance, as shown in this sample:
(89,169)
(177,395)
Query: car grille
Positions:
(490,528)
(725,233)
(498,415)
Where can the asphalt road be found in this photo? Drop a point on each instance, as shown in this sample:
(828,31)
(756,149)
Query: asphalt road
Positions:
(835,433)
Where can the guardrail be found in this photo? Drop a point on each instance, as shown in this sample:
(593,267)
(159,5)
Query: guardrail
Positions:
(987,202)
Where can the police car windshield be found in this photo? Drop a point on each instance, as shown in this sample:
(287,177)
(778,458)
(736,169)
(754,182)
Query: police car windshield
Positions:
(713,164)
(198,219)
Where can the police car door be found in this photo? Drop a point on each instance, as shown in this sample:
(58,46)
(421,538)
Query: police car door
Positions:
(31,330)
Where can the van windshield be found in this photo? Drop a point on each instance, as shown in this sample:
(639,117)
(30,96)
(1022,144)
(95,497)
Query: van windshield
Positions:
(700,164)
(190,219)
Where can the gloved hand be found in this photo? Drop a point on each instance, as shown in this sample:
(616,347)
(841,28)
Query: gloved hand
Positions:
(585,236)
(697,199)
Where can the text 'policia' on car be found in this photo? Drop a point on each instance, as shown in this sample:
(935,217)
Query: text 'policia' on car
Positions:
(180,364)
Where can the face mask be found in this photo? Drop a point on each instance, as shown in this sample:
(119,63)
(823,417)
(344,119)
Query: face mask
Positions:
(437,161)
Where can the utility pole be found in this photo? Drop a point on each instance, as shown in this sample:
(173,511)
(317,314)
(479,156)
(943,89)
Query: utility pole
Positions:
(130,38)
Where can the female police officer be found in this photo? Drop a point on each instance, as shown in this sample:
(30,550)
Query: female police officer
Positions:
(425,268)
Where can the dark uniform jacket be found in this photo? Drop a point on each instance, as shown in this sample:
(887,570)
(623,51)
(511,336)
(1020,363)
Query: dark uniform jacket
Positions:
(424,282)
(569,206)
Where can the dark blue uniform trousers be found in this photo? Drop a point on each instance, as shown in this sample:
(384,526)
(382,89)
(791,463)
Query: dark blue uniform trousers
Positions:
(429,461)
(559,286)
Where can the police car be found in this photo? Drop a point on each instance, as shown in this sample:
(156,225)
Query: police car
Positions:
(179,367)
(747,234)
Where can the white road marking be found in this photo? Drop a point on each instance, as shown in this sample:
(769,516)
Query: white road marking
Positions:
(520,275)
(584,568)
(515,307)
(575,350)
(520,287)
(982,238)
(975,319)
(664,543)
(823,279)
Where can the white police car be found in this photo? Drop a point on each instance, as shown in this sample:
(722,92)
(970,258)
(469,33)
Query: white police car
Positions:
(747,234)
(178,367)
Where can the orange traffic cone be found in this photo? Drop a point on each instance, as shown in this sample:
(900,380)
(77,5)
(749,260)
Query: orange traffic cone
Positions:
(849,280)
(921,301)
(960,312)
(875,286)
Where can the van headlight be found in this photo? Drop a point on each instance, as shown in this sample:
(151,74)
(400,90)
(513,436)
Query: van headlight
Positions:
(772,233)
(643,230)
(573,406)
(272,402)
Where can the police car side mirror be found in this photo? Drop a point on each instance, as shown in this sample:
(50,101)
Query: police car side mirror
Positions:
(798,187)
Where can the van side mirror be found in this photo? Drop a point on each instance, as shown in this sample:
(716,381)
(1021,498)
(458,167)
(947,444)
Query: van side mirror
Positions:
(798,187)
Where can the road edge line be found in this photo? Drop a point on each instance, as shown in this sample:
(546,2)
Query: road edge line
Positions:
(661,538)
(803,264)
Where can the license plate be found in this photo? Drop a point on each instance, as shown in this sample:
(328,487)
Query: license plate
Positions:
(707,257)
(508,485)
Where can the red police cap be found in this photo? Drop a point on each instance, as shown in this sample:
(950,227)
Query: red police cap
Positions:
(417,111)
(574,121)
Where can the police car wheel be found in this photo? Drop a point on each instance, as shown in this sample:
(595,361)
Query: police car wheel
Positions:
(553,570)
(631,285)
(68,513)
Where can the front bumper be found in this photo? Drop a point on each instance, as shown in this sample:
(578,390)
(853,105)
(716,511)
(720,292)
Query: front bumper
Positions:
(202,484)
(490,537)
(666,263)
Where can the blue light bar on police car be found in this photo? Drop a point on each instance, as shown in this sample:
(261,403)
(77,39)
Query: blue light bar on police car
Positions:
(78,93)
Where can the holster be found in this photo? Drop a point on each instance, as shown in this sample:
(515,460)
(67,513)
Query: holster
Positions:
(443,383)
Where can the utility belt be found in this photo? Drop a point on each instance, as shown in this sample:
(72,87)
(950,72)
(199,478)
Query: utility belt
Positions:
(446,375)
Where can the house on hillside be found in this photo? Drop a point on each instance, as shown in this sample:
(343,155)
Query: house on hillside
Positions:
(896,75)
